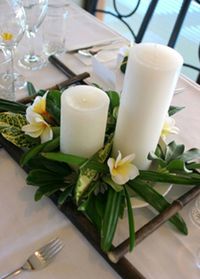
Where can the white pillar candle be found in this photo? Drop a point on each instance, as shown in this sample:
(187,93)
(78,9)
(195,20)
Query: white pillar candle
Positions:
(84,111)
(150,79)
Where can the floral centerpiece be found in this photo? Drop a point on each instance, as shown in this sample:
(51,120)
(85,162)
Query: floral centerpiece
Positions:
(59,133)
(101,185)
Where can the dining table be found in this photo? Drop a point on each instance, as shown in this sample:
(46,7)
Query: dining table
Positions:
(25,224)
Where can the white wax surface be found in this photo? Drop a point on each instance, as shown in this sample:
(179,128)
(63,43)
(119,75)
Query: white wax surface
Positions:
(150,79)
(84,112)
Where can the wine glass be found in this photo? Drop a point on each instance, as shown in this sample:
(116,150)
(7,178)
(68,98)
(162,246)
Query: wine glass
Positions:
(7,75)
(35,13)
(12,28)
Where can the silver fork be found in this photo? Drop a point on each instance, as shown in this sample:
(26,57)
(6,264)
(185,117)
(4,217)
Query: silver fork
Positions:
(40,258)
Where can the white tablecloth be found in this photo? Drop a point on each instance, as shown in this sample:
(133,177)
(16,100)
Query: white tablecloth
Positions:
(26,225)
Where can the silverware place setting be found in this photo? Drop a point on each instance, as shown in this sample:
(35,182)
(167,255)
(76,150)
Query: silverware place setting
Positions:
(39,259)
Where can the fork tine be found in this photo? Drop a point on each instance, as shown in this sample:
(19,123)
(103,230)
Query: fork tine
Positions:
(49,245)
(53,252)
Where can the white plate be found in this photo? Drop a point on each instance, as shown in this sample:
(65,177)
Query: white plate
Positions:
(161,188)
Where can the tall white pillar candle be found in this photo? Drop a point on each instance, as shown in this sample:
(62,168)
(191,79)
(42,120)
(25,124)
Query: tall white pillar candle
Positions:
(84,112)
(150,79)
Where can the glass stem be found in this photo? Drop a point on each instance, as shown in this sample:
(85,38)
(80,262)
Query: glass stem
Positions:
(7,53)
(12,69)
(32,55)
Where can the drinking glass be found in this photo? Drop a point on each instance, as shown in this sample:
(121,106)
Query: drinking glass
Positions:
(35,13)
(195,213)
(7,75)
(195,218)
(54,28)
(12,27)
(4,61)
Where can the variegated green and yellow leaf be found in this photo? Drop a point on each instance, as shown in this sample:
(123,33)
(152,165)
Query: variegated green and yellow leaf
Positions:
(87,173)
(10,128)
(12,119)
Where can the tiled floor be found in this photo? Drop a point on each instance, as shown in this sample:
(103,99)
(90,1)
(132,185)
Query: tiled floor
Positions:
(161,26)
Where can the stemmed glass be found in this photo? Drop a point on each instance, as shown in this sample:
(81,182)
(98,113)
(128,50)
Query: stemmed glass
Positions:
(35,13)
(195,217)
(12,27)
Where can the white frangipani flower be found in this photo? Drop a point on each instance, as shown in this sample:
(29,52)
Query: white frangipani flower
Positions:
(122,170)
(39,105)
(37,126)
(169,127)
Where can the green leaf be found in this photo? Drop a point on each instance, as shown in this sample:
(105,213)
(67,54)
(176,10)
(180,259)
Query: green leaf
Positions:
(178,165)
(100,205)
(41,92)
(47,146)
(172,110)
(110,182)
(130,219)
(64,195)
(84,181)
(91,209)
(18,138)
(45,191)
(11,129)
(39,162)
(12,119)
(153,157)
(11,106)
(66,158)
(114,99)
(31,153)
(31,89)
(40,177)
(193,166)
(124,64)
(169,178)
(157,201)
(38,195)
(111,216)
(56,131)
(53,104)
(173,151)
(189,155)
(88,169)
(51,144)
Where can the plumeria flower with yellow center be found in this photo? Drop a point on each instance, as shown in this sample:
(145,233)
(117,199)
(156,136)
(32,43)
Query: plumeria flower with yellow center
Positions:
(37,126)
(169,127)
(39,106)
(122,170)
(6,36)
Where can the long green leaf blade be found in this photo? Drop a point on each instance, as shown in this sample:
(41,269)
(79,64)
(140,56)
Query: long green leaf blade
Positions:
(66,158)
(169,178)
(130,220)
(47,146)
(157,201)
(110,219)
(11,106)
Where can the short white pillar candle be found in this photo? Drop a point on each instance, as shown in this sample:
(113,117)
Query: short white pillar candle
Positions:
(84,111)
(150,79)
